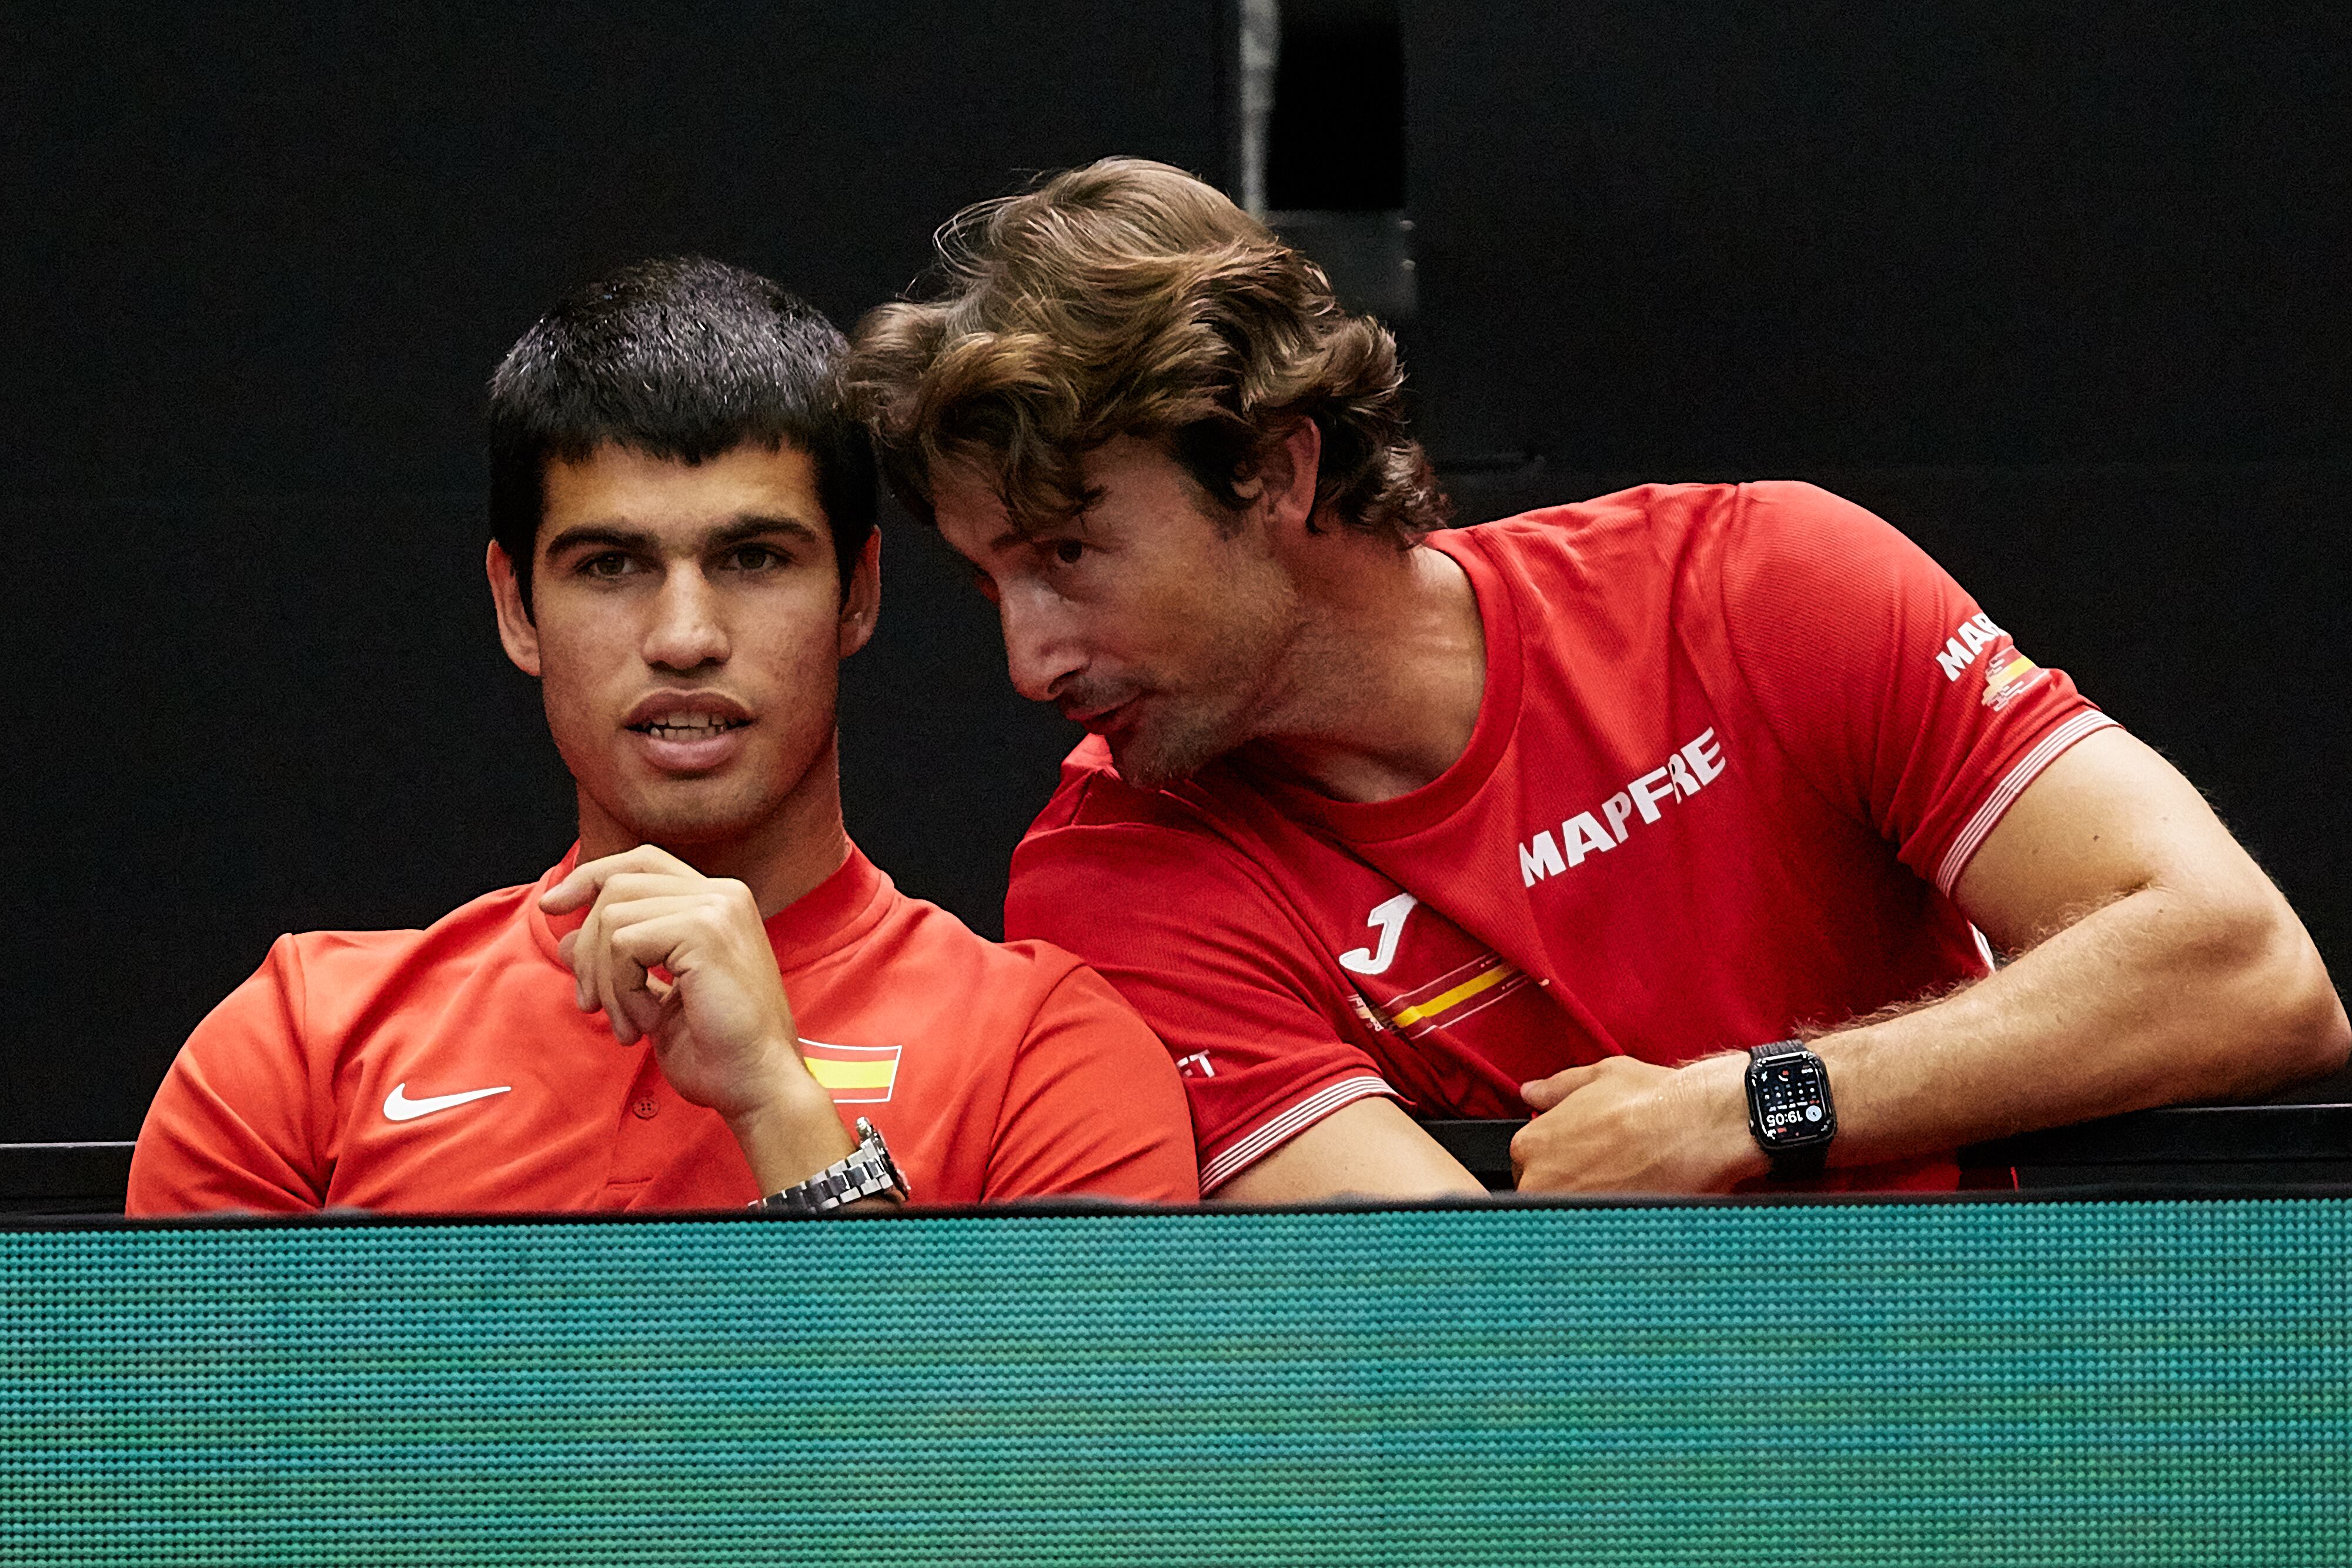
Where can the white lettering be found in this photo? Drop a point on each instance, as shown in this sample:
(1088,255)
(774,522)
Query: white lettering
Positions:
(1583,835)
(1617,808)
(1972,637)
(1200,1059)
(1706,757)
(1648,790)
(1387,918)
(1539,857)
(1698,763)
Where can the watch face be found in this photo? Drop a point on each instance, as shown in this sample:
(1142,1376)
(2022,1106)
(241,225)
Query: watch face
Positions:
(1788,1102)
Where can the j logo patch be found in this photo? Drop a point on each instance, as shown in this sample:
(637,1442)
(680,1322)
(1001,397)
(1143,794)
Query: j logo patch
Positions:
(1387,919)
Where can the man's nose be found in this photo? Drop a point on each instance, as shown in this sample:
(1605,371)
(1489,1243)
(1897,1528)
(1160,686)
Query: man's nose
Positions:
(1039,652)
(687,631)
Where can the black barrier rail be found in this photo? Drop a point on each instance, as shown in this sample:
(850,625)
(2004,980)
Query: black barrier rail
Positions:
(2182,1149)
(67,1180)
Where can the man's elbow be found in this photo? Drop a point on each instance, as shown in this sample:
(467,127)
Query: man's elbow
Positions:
(2318,1024)
(2293,1023)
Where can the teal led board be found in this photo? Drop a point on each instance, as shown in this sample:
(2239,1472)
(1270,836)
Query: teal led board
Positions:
(1993,1383)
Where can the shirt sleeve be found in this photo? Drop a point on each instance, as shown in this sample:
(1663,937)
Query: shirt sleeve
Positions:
(232,1127)
(1886,685)
(1093,1106)
(1218,967)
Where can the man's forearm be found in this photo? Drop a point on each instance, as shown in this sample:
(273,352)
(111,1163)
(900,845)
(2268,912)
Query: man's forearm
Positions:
(2155,998)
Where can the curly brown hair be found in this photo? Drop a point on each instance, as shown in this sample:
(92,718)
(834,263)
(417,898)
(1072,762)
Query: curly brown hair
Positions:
(1129,298)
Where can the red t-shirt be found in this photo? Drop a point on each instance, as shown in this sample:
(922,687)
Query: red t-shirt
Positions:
(1735,748)
(448,1070)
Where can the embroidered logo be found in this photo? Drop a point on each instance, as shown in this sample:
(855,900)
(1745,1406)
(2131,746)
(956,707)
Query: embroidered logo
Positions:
(1387,919)
(399,1107)
(853,1074)
(2007,674)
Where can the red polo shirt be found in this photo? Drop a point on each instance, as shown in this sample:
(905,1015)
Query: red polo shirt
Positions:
(448,1070)
(1736,747)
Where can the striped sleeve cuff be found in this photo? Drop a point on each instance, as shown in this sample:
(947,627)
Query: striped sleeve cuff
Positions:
(1271,1134)
(1996,804)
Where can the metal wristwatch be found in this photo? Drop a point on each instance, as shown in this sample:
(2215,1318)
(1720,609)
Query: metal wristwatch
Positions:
(868,1171)
(1788,1107)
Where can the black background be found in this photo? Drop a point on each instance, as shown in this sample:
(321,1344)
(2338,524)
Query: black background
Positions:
(2061,295)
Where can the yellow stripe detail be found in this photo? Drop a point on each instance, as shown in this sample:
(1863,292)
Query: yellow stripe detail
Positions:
(836,1074)
(2016,671)
(1454,997)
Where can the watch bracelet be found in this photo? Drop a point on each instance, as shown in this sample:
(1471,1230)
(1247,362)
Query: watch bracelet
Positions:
(866,1171)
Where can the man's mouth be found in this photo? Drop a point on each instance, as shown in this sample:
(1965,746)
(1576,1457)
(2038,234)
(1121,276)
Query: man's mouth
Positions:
(687,725)
(1097,717)
(1099,721)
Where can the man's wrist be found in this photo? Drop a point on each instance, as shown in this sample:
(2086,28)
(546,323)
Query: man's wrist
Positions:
(792,1134)
(1721,1103)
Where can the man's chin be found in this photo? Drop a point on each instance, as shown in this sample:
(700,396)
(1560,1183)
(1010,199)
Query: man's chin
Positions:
(1159,760)
(687,819)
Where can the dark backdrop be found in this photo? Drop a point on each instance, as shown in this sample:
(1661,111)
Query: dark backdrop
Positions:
(2061,291)
(259,263)
(2059,296)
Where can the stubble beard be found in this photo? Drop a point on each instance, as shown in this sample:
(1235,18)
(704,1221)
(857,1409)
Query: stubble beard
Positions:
(1220,709)
(1182,746)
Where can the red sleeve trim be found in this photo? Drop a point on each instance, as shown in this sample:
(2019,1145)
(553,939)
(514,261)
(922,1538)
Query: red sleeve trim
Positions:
(1271,1134)
(1996,804)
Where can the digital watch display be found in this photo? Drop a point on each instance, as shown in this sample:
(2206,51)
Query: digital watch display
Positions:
(1788,1107)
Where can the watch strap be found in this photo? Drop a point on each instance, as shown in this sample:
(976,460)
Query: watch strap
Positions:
(1809,1161)
(866,1171)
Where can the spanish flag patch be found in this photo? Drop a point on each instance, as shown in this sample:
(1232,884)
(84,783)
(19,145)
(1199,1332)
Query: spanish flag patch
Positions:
(853,1074)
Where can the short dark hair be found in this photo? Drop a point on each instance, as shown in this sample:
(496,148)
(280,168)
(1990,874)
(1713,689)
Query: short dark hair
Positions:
(1129,298)
(682,358)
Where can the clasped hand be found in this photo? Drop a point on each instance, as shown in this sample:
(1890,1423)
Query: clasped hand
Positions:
(1623,1125)
(720,1025)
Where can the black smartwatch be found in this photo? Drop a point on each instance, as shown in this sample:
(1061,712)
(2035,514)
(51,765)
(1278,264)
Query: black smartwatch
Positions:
(1788,1107)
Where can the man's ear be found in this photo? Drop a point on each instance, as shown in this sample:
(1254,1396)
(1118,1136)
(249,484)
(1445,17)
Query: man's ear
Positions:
(1289,473)
(515,629)
(861,606)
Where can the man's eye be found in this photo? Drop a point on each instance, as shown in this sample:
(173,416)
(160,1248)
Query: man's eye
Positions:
(612,563)
(1070,552)
(756,558)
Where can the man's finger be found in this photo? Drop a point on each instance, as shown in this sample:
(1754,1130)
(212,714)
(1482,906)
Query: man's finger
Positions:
(633,989)
(1545,1093)
(649,934)
(590,955)
(613,949)
(587,879)
(645,945)
(577,949)
(633,887)
(612,987)
(658,938)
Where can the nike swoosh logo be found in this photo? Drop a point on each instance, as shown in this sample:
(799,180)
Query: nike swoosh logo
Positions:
(399,1107)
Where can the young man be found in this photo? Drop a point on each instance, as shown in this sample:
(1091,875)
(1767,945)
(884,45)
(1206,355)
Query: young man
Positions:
(1563,813)
(694,1005)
